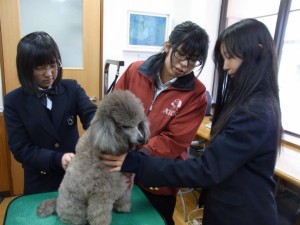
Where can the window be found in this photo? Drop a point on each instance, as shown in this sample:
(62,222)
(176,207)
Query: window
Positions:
(289,73)
(266,12)
(64,27)
(271,12)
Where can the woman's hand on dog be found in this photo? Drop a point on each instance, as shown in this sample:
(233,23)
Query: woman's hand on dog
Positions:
(113,161)
(66,159)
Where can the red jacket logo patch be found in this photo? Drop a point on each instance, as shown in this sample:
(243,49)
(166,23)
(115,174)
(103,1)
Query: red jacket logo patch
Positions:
(175,105)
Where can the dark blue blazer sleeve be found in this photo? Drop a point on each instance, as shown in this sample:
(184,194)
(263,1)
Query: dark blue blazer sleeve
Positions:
(245,148)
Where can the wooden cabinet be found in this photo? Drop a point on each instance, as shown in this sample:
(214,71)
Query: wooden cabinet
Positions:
(5,180)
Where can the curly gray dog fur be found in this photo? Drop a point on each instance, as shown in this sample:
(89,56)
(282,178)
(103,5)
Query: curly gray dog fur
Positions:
(89,192)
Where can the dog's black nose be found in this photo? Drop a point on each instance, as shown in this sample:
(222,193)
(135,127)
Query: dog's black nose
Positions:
(141,140)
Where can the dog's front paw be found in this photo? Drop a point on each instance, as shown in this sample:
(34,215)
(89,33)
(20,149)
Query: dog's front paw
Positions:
(46,208)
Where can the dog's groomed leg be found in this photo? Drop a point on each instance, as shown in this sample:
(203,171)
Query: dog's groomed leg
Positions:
(99,210)
(123,204)
(71,208)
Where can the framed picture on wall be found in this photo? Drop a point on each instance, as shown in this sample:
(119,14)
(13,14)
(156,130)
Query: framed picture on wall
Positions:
(146,31)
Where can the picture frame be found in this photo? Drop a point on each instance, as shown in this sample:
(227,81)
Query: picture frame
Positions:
(146,31)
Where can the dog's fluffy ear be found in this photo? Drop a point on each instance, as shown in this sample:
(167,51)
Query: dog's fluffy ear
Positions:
(101,133)
(105,136)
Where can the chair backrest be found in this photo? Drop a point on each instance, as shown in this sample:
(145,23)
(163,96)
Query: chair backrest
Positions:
(108,62)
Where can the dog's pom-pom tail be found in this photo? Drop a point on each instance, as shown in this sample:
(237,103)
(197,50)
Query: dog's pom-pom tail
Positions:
(47,207)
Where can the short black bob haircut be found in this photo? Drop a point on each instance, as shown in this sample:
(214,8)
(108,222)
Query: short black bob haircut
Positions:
(33,50)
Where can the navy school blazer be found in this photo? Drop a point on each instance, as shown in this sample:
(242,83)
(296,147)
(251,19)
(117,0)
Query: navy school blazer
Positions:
(38,139)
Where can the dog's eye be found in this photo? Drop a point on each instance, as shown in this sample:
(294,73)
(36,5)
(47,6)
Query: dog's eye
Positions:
(126,127)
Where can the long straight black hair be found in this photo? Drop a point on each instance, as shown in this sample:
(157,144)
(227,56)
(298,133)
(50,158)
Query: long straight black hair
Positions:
(33,50)
(251,41)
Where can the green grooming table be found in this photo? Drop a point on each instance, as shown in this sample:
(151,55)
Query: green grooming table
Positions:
(22,211)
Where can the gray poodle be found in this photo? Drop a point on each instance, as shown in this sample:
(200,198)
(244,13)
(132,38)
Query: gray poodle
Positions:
(89,192)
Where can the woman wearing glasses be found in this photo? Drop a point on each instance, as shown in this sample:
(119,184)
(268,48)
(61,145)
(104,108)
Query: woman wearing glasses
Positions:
(174,100)
(41,115)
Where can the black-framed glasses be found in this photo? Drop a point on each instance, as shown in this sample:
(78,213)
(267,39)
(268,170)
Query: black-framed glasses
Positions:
(192,61)
(44,69)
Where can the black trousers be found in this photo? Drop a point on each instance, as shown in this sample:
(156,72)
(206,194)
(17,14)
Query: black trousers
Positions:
(164,205)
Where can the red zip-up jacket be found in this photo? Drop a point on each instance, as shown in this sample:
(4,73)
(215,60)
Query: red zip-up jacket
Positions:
(175,114)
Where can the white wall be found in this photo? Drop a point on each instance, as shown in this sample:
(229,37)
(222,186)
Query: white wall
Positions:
(203,12)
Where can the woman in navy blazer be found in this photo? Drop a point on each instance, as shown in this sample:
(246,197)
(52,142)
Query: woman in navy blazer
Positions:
(237,168)
(41,115)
